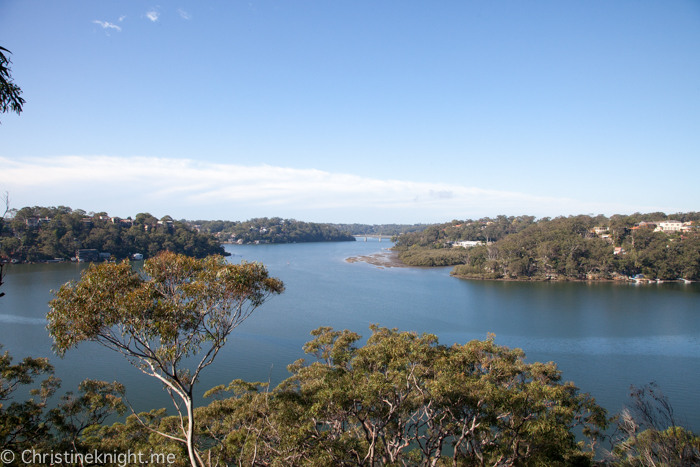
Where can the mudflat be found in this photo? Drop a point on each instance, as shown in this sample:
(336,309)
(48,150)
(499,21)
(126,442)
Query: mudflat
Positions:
(382,259)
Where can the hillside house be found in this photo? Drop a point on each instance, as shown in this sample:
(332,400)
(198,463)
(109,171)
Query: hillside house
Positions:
(466,244)
(687,227)
(669,226)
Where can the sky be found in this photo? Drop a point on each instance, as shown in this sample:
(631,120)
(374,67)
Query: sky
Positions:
(354,111)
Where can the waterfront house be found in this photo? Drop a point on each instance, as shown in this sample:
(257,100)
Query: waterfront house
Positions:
(87,255)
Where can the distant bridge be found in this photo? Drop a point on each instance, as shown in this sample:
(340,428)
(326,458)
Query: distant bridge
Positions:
(380,237)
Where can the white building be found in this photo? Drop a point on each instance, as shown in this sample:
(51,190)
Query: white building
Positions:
(669,226)
(466,244)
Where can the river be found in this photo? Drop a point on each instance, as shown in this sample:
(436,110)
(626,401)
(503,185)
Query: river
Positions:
(604,336)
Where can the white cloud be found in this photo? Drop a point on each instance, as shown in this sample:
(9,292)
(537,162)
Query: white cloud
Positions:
(184,14)
(192,189)
(153,15)
(122,18)
(107,25)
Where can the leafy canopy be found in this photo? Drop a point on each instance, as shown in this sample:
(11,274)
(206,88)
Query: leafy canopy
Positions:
(10,100)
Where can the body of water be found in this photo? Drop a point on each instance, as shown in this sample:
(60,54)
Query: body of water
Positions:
(604,336)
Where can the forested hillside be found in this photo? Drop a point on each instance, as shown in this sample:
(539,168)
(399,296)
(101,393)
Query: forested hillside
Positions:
(44,233)
(273,230)
(380,229)
(575,247)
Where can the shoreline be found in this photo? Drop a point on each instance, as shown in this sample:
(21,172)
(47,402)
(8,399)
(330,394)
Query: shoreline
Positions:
(390,259)
(626,281)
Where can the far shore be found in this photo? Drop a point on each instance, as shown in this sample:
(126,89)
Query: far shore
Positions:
(390,259)
(566,279)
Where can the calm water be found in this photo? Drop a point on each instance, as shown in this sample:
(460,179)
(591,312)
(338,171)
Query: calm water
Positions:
(603,336)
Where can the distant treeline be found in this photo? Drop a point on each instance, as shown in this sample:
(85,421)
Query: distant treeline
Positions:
(380,229)
(574,247)
(43,233)
(273,230)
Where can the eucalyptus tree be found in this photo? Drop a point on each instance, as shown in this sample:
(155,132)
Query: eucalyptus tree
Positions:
(403,399)
(10,93)
(177,308)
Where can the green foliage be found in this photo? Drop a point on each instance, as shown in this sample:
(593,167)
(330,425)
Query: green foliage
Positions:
(650,436)
(381,229)
(10,100)
(22,424)
(67,231)
(432,256)
(29,425)
(485,229)
(274,230)
(177,308)
(403,399)
(563,248)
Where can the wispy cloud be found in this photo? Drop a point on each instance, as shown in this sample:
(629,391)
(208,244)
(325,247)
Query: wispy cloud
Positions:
(122,18)
(107,25)
(192,189)
(184,14)
(153,15)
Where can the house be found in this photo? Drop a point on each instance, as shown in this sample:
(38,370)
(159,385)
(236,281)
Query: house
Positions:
(466,244)
(32,222)
(87,255)
(600,230)
(687,227)
(619,250)
(669,226)
(87,221)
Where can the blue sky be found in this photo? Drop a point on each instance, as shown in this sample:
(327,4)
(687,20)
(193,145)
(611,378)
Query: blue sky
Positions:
(362,111)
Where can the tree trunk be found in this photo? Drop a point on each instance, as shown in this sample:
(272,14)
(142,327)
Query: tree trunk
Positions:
(190,432)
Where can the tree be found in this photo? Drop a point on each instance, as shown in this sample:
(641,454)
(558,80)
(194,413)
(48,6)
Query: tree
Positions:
(650,435)
(10,100)
(404,399)
(22,424)
(177,308)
